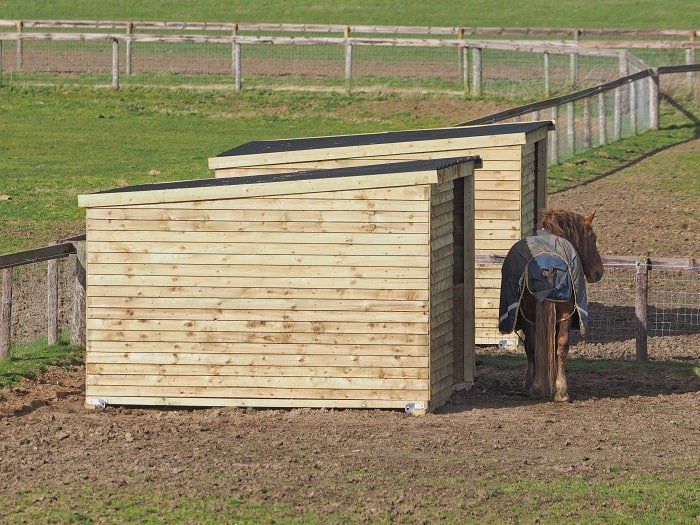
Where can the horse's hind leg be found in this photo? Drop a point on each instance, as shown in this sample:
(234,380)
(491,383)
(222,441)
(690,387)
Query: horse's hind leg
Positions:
(529,343)
(561,392)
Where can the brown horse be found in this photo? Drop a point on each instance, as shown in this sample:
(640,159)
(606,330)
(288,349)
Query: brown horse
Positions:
(545,324)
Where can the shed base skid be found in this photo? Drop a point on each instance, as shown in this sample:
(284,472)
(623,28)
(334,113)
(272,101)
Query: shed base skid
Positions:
(92,403)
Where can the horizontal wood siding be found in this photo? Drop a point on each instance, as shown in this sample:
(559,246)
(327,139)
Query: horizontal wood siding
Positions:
(267,301)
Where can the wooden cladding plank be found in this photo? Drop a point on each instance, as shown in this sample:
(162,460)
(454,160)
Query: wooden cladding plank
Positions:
(239,226)
(259,348)
(284,203)
(495,224)
(242,270)
(498,244)
(256,371)
(496,234)
(273,297)
(259,403)
(496,195)
(269,237)
(223,248)
(510,215)
(497,204)
(487,174)
(253,282)
(257,360)
(490,185)
(270,393)
(243,304)
(259,326)
(257,383)
(263,261)
(215,314)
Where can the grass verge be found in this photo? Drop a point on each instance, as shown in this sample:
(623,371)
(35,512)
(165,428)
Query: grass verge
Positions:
(27,360)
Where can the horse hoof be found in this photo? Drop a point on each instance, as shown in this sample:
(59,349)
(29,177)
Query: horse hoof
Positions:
(561,399)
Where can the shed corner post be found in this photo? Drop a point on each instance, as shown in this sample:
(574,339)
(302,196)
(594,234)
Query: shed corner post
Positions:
(6,313)
(78,322)
(641,281)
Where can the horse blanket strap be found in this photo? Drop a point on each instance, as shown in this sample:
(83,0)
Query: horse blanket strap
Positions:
(549,267)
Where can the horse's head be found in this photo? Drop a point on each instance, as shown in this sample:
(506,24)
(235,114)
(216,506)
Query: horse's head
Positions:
(578,230)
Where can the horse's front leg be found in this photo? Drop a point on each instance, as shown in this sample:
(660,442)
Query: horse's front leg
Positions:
(529,344)
(561,392)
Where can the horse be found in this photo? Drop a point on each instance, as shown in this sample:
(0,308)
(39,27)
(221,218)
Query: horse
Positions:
(543,318)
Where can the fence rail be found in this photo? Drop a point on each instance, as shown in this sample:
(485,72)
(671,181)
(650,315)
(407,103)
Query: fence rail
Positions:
(641,297)
(342,28)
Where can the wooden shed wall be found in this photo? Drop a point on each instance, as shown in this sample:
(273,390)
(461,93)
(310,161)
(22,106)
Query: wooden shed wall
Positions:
(313,300)
(504,206)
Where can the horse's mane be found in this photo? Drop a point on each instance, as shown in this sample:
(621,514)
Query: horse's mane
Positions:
(566,224)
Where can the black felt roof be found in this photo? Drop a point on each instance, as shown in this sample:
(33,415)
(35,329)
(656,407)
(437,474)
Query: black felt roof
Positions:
(355,171)
(338,141)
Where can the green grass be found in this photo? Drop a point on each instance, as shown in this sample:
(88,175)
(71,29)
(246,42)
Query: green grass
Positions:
(621,499)
(676,128)
(533,13)
(27,360)
(58,143)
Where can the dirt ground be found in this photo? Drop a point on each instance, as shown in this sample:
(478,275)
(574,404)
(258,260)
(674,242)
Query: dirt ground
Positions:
(371,465)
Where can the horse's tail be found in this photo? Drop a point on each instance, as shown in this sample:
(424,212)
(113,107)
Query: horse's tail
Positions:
(545,348)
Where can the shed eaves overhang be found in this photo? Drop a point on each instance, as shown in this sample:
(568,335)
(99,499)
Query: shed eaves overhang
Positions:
(348,146)
(357,177)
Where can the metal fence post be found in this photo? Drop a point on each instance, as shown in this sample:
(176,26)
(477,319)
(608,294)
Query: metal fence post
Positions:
(476,71)
(20,44)
(115,64)
(602,138)
(52,301)
(6,313)
(641,281)
(77,332)
(547,86)
(129,31)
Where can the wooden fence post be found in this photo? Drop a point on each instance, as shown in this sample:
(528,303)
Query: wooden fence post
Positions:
(654,100)
(77,332)
(115,64)
(236,66)
(554,148)
(641,281)
(52,301)
(460,55)
(476,71)
(586,123)
(348,60)
(6,313)
(573,61)
(1,42)
(20,45)
(690,59)
(547,85)
(602,136)
(129,31)
(617,115)
(633,107)
(571,127)
(465,69)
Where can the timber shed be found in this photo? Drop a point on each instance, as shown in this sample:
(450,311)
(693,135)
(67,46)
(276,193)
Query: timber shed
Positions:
(509,188)
(324,288)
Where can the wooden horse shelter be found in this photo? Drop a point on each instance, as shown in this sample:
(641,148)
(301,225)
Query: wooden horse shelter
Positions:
(322,288)
(509,188)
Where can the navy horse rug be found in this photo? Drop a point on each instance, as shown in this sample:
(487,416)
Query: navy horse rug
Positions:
(549,268)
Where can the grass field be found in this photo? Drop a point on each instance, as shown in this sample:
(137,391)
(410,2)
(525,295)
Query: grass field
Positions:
(533,13)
